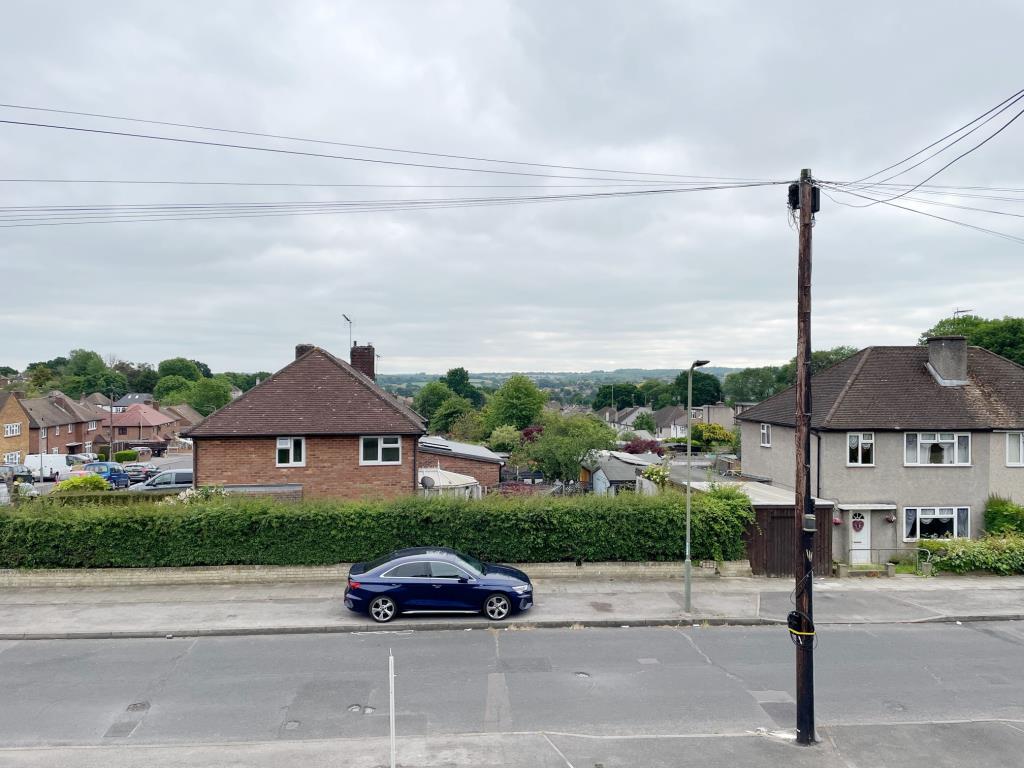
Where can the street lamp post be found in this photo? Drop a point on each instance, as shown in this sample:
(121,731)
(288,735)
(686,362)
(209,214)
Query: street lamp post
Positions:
(349,321)
(687,565)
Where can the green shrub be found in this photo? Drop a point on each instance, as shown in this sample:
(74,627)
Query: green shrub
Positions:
(240,530)
(122,456)
(1003,516)
(102,452)
(1003,554)
(81,483)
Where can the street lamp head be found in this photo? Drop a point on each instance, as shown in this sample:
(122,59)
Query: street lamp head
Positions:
(346,317)
(699,363)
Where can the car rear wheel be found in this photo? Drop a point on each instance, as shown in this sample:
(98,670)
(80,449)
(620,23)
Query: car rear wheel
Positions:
(383,609)
(497,607)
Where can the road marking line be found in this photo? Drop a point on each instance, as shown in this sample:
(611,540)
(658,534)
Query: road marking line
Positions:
(549,741)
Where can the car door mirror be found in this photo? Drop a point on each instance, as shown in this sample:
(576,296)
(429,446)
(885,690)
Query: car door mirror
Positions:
(463,580)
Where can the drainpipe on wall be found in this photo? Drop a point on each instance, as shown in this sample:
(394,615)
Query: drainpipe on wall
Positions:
(415,470)
(817,474)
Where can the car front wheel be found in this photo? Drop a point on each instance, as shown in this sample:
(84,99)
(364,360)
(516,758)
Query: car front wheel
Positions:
(497,607)
(383,609)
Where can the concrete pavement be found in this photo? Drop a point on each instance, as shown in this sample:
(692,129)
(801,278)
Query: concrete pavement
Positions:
(314,607)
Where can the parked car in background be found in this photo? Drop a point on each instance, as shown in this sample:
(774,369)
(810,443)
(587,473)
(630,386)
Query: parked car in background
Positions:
(436,580)
(141,471)
(168,480)
(110,471)
(20,473)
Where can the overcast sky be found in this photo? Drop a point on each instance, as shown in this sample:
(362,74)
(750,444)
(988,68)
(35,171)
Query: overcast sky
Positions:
(751,90)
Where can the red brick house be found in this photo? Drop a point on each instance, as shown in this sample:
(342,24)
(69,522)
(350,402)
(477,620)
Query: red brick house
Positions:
(57,424)
(142,425)
(318,422)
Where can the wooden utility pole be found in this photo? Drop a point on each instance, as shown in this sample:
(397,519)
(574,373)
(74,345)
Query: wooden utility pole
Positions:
(801,621)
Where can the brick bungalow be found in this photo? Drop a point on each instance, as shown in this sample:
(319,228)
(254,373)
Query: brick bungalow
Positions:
(463,458)
(318,422)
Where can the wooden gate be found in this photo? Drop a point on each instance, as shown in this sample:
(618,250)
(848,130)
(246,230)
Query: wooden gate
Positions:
(771,541)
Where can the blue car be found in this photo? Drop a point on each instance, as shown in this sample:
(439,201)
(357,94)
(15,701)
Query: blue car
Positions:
(110,471)
(436,580)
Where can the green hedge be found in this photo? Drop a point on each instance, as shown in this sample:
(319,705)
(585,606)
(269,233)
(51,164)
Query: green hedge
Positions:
(100,498)
(238,530)
(1003,555)
(1003,516)
(124,456)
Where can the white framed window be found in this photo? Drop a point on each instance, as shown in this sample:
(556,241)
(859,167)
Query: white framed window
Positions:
(56,430)
(380,450)
(860,449)
(55,450)
(766,435)
(291,451)
(936,523)
(88,448)
(12,458)
(42,433)
(92,426)
(1015,449)
(697,414)
(12,430)
(952,449)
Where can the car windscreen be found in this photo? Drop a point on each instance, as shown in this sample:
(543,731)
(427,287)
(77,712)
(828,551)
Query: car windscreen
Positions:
(472,562)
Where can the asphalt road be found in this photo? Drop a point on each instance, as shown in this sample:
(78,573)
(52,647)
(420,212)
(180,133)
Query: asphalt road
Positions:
(887,695)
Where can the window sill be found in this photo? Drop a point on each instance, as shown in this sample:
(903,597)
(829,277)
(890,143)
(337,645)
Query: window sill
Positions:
(938,466)
(290,466)
(380,463)
(860,466)
(765,446)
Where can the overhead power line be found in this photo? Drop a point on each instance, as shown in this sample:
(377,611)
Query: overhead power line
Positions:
(194,126)
(957,222)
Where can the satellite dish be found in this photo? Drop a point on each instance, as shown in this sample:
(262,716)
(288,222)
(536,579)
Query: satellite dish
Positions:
(427,481)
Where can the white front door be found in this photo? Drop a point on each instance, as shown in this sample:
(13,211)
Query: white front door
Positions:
(860,538)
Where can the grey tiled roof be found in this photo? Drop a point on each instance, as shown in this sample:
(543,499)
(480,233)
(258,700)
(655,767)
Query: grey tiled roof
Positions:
(890,388)
(444,447)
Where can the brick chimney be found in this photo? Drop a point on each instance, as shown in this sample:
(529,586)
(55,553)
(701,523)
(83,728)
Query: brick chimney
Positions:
(947,360)
(301,349)
(363,359)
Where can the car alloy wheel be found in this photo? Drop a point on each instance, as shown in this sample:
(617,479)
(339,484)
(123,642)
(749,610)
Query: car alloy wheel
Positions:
(383,609)
(497,607)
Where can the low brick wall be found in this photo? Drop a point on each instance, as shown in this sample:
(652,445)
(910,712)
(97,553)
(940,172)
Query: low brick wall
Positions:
(267,574)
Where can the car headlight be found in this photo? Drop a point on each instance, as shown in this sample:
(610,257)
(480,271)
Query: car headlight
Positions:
(522,590)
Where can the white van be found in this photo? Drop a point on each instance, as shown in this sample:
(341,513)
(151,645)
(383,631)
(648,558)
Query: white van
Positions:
(55,466)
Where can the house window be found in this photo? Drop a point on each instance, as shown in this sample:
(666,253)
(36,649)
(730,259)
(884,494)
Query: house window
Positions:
(697,414)
(122,430)
(860,450)
(88,448)
(380,450)
(942,448)
(12,458)
(12,430)
(56,430)
(936,523)
(42,433)
(291,451)
(766,435)
(55,450)
(1015,449)
(92,426)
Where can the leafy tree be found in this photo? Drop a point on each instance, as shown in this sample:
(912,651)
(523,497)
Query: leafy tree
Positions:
(207,395)
(6,370)
(40,376)
(457,380)
(711,434)
(625,395)
(820,360)
(143,379)
(505,438)
(84,362)
(469,427)
(707,389)
(179,366)
(645,421)
(172,390)
(961,325)
(204,369)
(751,385)
(447,412)
(565,442)
(107,382)
(430,397)
(517,402)
(1004,337)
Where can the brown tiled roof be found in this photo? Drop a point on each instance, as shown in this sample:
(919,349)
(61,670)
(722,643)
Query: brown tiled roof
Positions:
(141,415)
(890,388)
(183,412)
(317,394)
